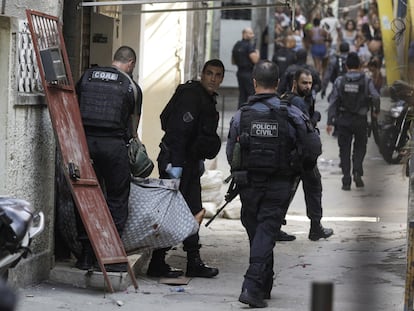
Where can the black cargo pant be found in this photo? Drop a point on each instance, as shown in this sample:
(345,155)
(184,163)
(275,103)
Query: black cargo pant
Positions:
(264,207)
(312,188)
(352,128)
(190,188)
(246,88)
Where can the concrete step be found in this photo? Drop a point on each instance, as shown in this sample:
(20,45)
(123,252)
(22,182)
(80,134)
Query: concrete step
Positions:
(66,273)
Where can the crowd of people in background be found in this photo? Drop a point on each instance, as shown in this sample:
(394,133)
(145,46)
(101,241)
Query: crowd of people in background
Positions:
(322,33)
(319,44)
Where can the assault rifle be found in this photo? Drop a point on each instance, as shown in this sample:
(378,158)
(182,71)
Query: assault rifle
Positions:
(232,192)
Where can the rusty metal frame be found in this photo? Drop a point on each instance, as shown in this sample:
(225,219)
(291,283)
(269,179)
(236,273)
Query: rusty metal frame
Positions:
(46,32)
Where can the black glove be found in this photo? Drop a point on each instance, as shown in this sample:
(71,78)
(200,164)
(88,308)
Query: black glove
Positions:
(316,117)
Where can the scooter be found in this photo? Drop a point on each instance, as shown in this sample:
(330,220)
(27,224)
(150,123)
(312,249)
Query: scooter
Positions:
(395,131)
(19,224)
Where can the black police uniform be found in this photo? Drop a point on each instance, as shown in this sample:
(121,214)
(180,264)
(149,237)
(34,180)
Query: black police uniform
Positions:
(107,101)
(190,137)
(269,137)
(283,58)
(353,95)
(311,179)
(286,80)
(240,54)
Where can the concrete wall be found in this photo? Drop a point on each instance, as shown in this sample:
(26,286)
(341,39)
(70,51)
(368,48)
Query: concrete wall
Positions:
(27,145)
(17,8)
(161,67)
(27,152)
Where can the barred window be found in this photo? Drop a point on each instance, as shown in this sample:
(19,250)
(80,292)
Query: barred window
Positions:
(243,14)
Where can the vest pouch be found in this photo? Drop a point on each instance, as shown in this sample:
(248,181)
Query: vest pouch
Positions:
(236,158)
(240,177)
(263,159)
(244,140)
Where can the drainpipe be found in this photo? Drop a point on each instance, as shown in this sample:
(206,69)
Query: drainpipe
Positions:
(3,6)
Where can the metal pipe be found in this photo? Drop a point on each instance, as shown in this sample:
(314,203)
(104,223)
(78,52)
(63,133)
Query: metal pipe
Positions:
(3,7)
(322,296)
(223,8)
(128,2)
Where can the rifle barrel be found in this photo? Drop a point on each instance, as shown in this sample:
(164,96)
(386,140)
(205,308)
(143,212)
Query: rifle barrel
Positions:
(216,214)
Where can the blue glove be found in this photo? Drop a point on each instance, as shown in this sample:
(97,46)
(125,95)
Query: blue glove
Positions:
(174,171)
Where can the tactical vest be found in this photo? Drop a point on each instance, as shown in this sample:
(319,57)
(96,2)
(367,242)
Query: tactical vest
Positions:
(265,143)
(353,94)
(104,98)
(283,58)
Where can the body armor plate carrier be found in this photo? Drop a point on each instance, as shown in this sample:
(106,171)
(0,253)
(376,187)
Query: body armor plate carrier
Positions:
(265,143)
(353,94)
(103,100)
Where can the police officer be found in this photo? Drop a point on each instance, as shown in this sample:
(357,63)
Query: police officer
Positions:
(110,106)
(311,179)
(336,67)
(190,123)
(285,86)
(286,80)
(353,95)
(269,136)
(285,55)
(244,56)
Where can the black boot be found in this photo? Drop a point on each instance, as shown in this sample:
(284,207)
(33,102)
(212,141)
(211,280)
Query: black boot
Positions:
(346,183)
(253,299)
(358,180)
(197,268)
(283,236)
(159,268)
(317,231)
(87,258)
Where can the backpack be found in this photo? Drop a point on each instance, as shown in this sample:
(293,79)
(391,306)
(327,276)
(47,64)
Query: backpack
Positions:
(340,67)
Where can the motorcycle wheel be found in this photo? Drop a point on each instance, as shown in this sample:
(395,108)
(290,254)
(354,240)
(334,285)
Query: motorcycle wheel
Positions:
(387,143)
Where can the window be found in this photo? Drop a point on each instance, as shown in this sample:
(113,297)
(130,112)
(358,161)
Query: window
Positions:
(238,13)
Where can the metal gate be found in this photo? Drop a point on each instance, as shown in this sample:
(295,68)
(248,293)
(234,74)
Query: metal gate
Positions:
(63,106)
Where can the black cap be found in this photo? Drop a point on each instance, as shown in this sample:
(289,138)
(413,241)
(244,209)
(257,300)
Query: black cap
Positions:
(301,54)
(344,47)
(353,61)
